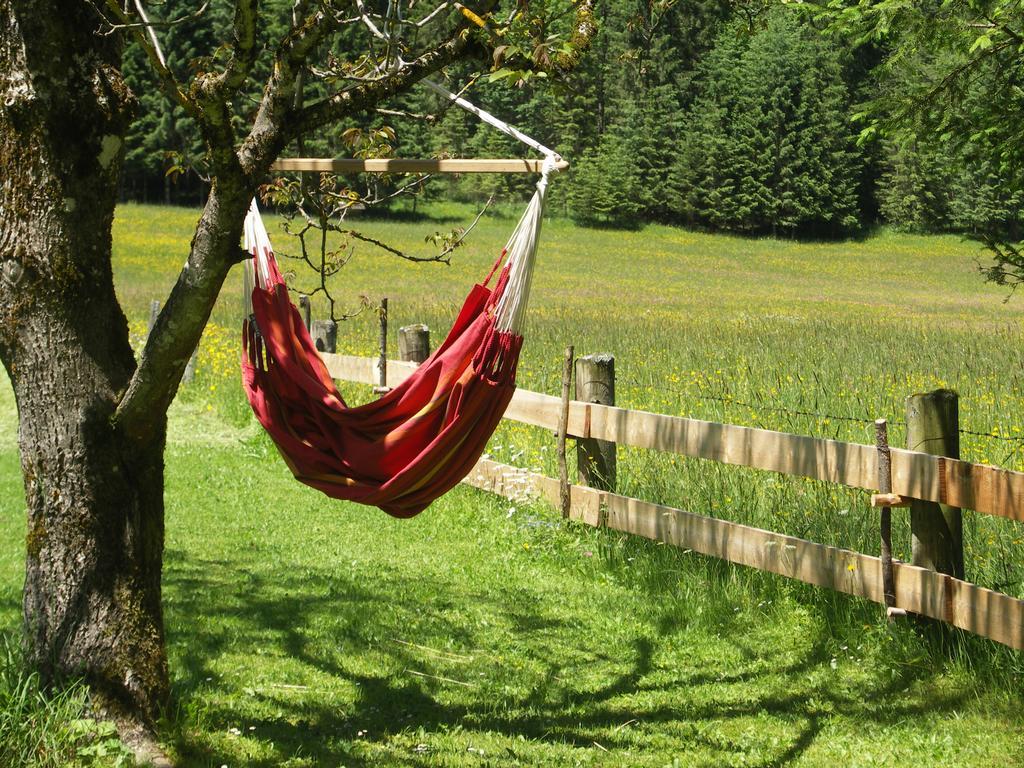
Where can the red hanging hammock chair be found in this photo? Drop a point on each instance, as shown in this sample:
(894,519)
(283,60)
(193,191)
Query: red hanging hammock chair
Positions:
(419,440)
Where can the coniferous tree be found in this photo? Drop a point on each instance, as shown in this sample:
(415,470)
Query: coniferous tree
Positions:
(709,164)
(770,148)
(652,127)
(938,181)
(146,144)
(916,187)
(606,186)
(165,138)
(983,202)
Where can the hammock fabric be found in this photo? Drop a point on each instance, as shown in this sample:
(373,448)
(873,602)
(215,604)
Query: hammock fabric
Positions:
(420,439)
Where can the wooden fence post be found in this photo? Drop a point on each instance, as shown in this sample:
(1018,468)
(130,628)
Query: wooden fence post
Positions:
(304,309)
(190,367)
(382,361)
(154,312)
(414,343)
(382,343)
(564,496)
(936,530)
(885,487)
(325,335)
(595,383)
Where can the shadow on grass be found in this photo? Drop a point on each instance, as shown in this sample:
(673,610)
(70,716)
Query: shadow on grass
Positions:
(10,610)
(407,216)
(578,697)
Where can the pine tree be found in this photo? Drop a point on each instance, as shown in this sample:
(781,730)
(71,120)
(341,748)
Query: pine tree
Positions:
(768,144)
(983,203)
(709,163)
(165,136)
(605,186)
(652,126)
(916,187)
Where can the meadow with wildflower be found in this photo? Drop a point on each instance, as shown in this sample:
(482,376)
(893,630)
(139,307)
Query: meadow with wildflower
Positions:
(304,631)
(811,338)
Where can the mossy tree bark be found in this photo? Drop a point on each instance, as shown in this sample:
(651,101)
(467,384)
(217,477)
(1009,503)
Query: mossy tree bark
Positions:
(95,500)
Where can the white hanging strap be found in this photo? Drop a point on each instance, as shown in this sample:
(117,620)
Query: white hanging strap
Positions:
(490,119)
(257,242)
(521,248)
(521,251)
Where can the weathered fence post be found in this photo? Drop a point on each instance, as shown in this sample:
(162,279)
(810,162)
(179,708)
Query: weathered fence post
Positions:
(885,488)
(382,361)
(190,367)
(304,309)
(933,426)
(325,335)
(595,383)
(414,343)
(154,312)
(564,494)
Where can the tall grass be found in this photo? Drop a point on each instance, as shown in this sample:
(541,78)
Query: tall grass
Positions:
(813,338)
(49,729)
(288,615)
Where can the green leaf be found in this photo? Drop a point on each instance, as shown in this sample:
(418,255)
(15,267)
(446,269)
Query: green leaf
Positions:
(982,43)
(501,74)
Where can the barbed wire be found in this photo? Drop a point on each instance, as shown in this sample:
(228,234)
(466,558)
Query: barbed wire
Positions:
(814,414)
(990,436)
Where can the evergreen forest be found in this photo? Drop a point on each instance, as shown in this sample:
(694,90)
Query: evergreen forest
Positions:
(748,117)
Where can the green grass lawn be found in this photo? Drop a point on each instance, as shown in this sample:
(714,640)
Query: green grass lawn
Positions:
(304,631)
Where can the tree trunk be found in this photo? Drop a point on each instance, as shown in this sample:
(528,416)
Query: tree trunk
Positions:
(95,531)
(94,497)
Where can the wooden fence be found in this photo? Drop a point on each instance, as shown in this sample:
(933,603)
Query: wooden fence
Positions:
(983,488)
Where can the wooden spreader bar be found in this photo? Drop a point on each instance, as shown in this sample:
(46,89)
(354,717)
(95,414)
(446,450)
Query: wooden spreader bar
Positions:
(889,500)
(411,165)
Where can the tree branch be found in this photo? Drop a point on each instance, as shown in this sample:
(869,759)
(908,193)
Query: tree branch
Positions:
(367,95)
(269,134)
(214,120)
(148,24)
(180,323)
(584,29)
(215,245)
(243,50)
(168,81)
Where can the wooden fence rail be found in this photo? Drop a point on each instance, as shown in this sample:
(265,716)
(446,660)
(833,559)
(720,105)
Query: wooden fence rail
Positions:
(980,487)
(995,491)
(982,611)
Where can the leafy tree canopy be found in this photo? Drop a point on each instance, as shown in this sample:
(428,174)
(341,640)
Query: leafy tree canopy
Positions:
(950,82)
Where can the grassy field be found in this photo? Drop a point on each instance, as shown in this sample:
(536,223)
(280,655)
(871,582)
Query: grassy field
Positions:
(308,632)
(760,333)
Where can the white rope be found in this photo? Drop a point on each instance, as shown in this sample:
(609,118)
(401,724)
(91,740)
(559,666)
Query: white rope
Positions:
(152,33)
(521,250)
(490,119)
(257,242)
(389,38)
